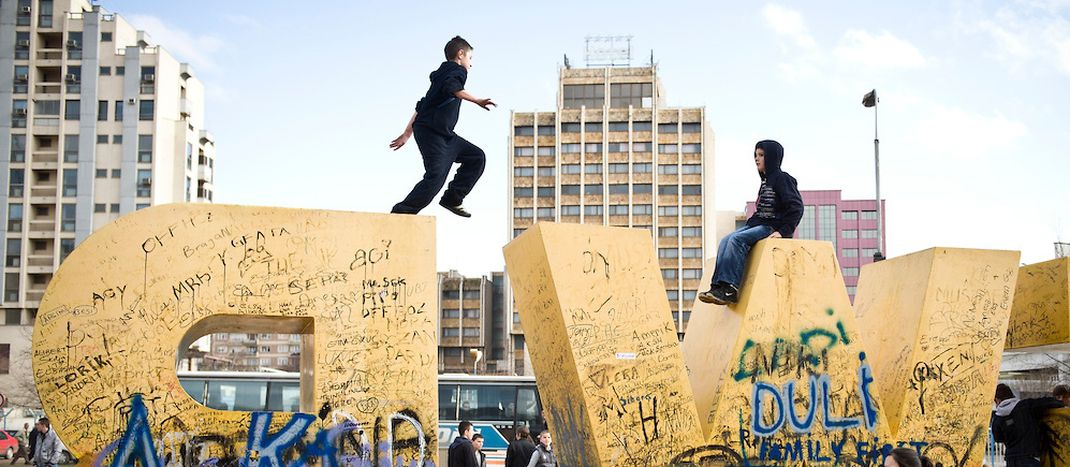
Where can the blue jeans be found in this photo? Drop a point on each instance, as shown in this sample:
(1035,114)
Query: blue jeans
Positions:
(732,253)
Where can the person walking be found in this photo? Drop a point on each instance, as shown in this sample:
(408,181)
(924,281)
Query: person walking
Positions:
(544,454)
(519,452)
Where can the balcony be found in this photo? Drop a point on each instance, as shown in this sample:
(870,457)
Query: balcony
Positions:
(49,57)
(45,160)
(185,107)
(47,88)
(46,125)
(43,226)
(204,173)
(43,192)
(39,264)
(33,297)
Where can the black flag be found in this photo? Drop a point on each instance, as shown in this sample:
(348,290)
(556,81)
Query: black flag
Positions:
(870,99)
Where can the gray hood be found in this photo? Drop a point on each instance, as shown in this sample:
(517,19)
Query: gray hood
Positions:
(1004,408)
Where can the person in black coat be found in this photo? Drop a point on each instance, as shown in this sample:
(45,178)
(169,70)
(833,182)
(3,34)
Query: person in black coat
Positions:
(520,449)
(1017,424)
(778,210)
(462,453)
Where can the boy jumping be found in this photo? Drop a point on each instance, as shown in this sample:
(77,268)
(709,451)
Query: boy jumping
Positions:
(433,122)
(779,208)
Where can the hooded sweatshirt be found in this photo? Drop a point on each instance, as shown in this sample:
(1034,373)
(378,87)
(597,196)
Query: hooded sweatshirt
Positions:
(779,204)
(439,109)
(1016,423)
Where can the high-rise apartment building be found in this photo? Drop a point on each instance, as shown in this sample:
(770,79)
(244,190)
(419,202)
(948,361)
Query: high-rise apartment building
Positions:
(612,153)
(97,122)
(472,329)
(253,352)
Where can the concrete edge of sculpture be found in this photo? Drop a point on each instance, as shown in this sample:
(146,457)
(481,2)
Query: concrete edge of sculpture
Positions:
(360,288)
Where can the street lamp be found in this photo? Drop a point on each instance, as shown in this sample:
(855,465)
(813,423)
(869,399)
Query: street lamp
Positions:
(870,100)
(477,355)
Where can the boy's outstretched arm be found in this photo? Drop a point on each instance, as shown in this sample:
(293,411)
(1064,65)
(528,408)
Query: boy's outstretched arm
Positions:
(485,103)
(398,142)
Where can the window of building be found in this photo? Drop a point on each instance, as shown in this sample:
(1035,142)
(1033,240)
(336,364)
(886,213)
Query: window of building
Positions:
(826,223)
(668,127)
(570,169)
(523,192)
(140,206)
(105,37)
(16,183)
(570,127)
(618,126)
(471,313)
(850,272)
(21,81)
(545,213)
(44,20)
(642,188)
(691,210)
(693,127)
(691,231)
(869,233)
(72,110)
(691,169)
(67,218)
(74,79)
(667,210)
(631,94)
(23,18)
(641,147)
(850,233)
(102,139)
(547,151)
(691,252)
(642,209)
(592,148)
(668,231)
(70,182)
(618,209)
(692,274)
(668,253)
(547,130)
(668,274)
(849,252)
(66,246)
(117,139)
(524,171)
(100,207)
(523,212)
(147,110)
(116,173)
(451,332)
(144,183)
(570,189)
(642,168)
(46,107)
(18,148)
(570,210)
(120,70)
(118,111)
(618,168)
(115,208)
(849,215)
(18,113)
(807,229)
(593,210)
(618,189)
(524,151)
(546,192)
(593,168)
(869,215)
(868,252)
(546,171)
(13,253)
(691,190)
(570,148)
(524,131)
(667,148)
(692,148)
(102,173)
(617,147)
(673,295)
(70,148)
(575,96)
(595,189)
(5,354)
(668,190)
(451,313)
(641,126)
(102,111)
(144,148)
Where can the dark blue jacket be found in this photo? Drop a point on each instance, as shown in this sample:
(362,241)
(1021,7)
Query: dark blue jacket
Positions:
(439,109)
(785,202)
(462,453)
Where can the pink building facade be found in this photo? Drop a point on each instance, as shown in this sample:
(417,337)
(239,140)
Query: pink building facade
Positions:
(851,226)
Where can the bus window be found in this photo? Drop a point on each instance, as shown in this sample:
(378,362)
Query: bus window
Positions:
(447,402)
(195,389)
(237,395)
(284,396)
(528,411)
(487,403)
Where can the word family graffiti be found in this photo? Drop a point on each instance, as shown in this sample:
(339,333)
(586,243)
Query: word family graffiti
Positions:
(292,445)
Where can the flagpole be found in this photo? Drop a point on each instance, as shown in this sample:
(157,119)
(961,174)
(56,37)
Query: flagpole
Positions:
(879,255)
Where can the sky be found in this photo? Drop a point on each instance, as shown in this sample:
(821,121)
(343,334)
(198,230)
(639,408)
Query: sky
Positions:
(303,100)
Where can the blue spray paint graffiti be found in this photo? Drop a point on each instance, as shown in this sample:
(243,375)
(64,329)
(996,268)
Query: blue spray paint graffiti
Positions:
(264,449)
(136,443)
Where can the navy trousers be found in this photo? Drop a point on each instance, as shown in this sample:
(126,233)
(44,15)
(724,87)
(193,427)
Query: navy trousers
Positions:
(440,153)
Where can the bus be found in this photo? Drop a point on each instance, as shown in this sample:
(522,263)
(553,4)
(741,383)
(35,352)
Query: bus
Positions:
(495,405)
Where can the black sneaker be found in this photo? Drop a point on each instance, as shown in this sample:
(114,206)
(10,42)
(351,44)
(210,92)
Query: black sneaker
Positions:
(715,296)
(730,293)
(458,210)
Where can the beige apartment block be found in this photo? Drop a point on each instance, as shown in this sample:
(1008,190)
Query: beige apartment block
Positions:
(613,153)
(97,122)
(472,328)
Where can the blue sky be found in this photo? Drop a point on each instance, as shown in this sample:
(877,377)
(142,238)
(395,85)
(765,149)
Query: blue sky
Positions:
(304,98)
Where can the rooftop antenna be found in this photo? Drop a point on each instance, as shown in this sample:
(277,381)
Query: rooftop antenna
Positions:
(608,51)
(652,58)
(567,66)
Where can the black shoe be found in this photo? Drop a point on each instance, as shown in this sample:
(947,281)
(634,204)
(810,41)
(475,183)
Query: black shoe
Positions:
(715,296)
(730,293)
(458,210)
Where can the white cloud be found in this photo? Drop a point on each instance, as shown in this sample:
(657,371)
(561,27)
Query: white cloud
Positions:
(956,133)
(243,21)
(804,56)
(789,23)
(187,47)
(878,51)
(1031,32)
